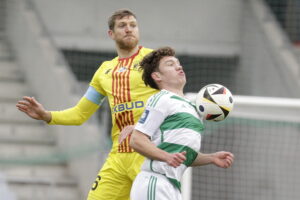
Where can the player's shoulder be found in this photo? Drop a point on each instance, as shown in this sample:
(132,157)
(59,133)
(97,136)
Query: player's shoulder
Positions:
(108,64)
(147,50)
(159,98)
(182,99)
(144,51)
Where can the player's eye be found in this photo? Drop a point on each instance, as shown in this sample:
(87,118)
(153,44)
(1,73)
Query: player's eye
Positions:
(169,63)
(122,25)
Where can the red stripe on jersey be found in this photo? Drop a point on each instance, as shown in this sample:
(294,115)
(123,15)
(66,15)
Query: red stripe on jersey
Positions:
(128,80)
(118,121)
(124,123)
(131,117)
(118,81)
(124,119)
(124,86)
(114,83)
(122,94)
(120,126)
(126,61)
(128,140)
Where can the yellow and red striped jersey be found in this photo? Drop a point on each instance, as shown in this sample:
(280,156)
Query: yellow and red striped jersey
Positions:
(121,81)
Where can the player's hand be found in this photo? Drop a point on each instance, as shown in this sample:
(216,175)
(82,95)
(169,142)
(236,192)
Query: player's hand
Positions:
(223,159)
(176,159)
(127,130)
(33,109)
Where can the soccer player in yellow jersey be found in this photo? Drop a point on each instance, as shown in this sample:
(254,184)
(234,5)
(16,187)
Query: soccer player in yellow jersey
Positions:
(120,80)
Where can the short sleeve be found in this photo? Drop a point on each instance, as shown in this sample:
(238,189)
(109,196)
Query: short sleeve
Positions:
(155,113)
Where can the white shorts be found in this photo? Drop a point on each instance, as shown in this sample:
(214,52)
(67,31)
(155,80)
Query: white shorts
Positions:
(153,186)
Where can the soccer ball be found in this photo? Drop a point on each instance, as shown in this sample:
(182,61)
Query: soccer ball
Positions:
(214,102)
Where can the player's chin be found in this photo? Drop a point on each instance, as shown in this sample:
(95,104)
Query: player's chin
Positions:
(182,80)
(130,43)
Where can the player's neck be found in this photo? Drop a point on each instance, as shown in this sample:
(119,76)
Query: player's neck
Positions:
(126,53)
(178,91)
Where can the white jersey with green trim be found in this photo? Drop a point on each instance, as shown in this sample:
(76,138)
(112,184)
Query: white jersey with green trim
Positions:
(173,125)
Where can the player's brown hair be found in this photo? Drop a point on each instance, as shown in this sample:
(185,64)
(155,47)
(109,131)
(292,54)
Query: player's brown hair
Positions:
(119,14)
(150,64)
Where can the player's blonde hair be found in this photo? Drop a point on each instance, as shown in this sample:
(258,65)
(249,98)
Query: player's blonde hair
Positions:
(119,14)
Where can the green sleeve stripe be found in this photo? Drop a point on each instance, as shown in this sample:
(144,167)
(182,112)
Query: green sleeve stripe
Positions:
(191,154)
(182,120)
(157,97)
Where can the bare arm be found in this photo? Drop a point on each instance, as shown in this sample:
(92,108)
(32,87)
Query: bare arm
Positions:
(221,159)
(142,144)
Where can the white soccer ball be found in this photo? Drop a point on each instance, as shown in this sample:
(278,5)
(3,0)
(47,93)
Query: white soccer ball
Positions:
(214,102)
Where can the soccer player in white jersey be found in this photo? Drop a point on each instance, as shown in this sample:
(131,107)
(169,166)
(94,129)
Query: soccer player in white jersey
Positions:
(169,132)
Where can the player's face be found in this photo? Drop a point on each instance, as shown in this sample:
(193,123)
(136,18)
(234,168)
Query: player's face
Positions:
(125,33)
(171,71)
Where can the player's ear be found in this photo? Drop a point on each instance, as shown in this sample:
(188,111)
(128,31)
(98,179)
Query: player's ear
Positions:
(156,76)
(111,34)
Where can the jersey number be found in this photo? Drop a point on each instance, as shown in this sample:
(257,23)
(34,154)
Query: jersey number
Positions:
(95,185)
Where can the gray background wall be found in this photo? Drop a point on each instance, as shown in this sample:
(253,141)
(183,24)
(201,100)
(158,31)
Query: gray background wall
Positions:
(202,28)
(194,26)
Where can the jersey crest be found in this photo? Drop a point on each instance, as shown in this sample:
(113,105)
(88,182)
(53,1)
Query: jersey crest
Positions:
(122,69)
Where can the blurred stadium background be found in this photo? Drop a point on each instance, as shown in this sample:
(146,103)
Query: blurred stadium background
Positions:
(50,50)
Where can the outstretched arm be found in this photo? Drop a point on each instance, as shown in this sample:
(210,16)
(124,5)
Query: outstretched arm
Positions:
(221,159)
(76,115)
(35,110)
(142,144)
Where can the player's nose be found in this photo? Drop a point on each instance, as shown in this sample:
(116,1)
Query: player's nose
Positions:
(179,67)
(128,29)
